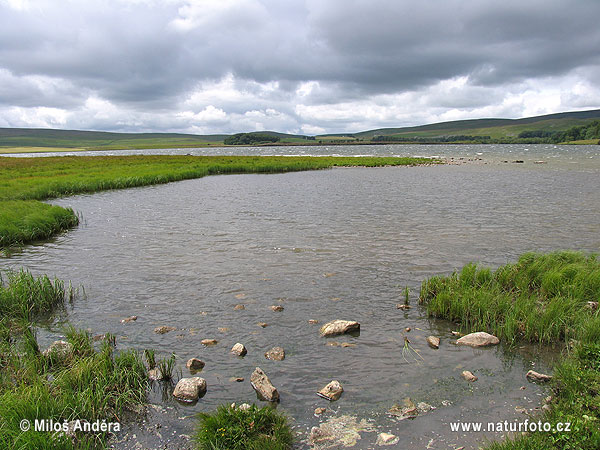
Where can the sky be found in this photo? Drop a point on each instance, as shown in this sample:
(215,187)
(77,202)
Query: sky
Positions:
(294,66)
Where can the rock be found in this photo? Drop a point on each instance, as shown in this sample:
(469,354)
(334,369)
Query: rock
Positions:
(129,319)
(407,329)
(339,327)
(457,333)
(538,377)
(332,392)
(479,339)
(275,354)
(403,306)
(262,324)
(155,374)
(319,411)
(244,407)
(222,329)
(277,308)
(338,432)
(386,439)
(347,344)
(239,349)
(434,342)
(402,413)
(195,364)
(164,329)
(208,342)
(467,375)
(190,389)
(313,321)
(540,162)
(237,379)
(423,407)
(239,307)
(58,350)
(262,385)
(592,306)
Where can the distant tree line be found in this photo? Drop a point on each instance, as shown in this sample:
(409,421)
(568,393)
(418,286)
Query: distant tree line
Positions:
(578,133)
(250,139)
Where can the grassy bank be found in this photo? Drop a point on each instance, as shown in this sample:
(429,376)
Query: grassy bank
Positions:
(76,381)
(46,178)
(541,298)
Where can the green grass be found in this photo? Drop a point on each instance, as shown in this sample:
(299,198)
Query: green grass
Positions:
(46,178)
(542,298)
(84,383)
(231,428)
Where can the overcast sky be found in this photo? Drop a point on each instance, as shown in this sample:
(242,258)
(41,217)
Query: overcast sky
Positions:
(296,66)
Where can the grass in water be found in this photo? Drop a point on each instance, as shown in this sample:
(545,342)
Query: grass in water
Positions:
(76,382)
(234,428)
(46,178)
(544,298)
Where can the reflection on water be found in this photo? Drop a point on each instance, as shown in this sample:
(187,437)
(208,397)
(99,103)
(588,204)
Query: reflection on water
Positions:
(340,243)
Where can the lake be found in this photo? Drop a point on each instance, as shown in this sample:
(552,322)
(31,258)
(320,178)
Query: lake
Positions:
(341,243)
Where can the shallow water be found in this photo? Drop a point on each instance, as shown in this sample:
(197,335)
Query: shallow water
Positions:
(339,243)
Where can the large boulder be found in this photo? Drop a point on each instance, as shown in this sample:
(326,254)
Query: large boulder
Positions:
(262,385)
(337,327)
(190,389)
(479,339)
(333,391)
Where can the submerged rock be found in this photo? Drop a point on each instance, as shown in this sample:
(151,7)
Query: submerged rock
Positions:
(277,308)
(275,354)
(319,411)
(195,364)
(239,349)
(262,385)
(342,431)
(467,375)
(538,377)
(164,329)
(190,389)
(434,342)
(337,327)
(332,392)
(129,319)
(313,321)
(479,339)
(407,411)
(208,342)
(155,374)
(239,307)
(262,324)
(386,439)
(403,306)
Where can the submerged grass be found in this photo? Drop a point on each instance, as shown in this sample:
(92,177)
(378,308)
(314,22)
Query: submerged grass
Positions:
(544,298)
(234,428)
(46,178)
(61,386)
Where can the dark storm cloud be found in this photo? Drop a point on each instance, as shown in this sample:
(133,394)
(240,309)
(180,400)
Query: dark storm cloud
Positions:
(159,56)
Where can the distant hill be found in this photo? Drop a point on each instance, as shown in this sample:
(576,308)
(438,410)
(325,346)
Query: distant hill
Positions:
(565,126)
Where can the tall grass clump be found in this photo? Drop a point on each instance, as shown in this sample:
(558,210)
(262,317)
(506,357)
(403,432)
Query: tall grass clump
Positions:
(30,179)
(234,428)
(542,298)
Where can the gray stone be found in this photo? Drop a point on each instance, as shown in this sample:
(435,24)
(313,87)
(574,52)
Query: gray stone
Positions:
(337,327)
(479,339)
(275,354)
(239,349)
(262,385)
(195,364)
(333,391)
(190,389)
(538,377)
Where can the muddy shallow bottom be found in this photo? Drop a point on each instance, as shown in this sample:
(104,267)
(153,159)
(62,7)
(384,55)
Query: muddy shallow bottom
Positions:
(325,245)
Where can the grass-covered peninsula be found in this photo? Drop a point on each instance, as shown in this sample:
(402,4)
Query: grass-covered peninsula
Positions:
(542,298)
(25,181)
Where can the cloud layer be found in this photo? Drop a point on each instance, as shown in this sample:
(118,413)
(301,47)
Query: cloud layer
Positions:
(213,66)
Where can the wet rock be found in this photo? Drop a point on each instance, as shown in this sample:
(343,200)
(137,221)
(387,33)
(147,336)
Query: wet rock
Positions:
(239,350)
(190,389)
(467,375)
(434,342)
(337,432)
(277,308)
(222,329)
(538,377)
(423,407)
(129,319)
(407,411)
(275,354)
(195,364)
(239,307)
(237,379)
(262,385)
(313,321)
(332,392)
(403,306)
(319,411)
(347,344)
(407,329)
(58,350)
(518,161)
(386,439)
(209,342)
(479,339)
(155,374)
(337,327)
(262,324)
(540,162)
(457,333)
(164,329)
